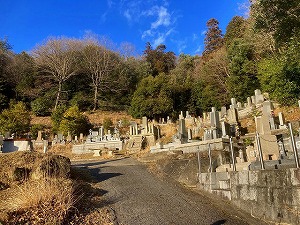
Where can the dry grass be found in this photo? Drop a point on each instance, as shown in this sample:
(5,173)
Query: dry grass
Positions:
(167,132)
(98,117)
(290,113)
(46,201)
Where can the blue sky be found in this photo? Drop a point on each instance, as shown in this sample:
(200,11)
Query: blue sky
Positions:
(178,24)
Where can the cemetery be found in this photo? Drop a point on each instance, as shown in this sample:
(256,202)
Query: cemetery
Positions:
(256,170)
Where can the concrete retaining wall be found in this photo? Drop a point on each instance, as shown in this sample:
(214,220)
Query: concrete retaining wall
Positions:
(191,147)
(270,194)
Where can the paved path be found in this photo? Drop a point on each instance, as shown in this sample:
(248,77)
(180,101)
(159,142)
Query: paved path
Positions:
(140,197)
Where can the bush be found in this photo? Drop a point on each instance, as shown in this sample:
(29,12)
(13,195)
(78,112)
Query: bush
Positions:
(107,123)
(41,107)
(83,101)
(74,122)
(16,119)
(35,128)
(57,116)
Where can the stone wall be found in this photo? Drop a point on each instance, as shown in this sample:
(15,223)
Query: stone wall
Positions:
(273,195)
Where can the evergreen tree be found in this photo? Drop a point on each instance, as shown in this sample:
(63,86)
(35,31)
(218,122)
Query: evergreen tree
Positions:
(213,37)
(159,60)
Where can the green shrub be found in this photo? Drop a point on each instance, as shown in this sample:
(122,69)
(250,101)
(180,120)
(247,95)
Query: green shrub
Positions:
(107,123)
(57,116)
(15,119)
(74,122)
(41,106)
(83,101)
(35,128)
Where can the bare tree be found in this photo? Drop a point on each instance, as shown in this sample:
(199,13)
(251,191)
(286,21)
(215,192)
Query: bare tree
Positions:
(103,65)
(58,57)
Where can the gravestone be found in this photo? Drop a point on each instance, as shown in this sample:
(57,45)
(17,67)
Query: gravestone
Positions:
(268,141)
(214,118)
(45,146)
(189,134)
(39,137)
(81,137)
(259,98)
(225,129)
(60,137)
(223,111)
(233,103)
(251,153)
(181,115)
(239,105)
(281,121)
(101,132)
(232,116)
(187,115)
(249,102)
(145,125)
(182,133)
(253,100)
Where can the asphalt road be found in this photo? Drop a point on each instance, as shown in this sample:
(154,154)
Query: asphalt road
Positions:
(140,197)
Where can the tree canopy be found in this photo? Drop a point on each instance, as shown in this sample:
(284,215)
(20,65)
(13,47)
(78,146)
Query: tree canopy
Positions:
(261,51)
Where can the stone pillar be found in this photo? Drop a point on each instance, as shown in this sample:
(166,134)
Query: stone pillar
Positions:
(233,102)
(249,103)
(281,121)
(223,111)
(239,105)
(101,132)
(253,100)
(130,130)
(145,124)
(136,130)
(39,137)
(189,134)
(224,129)
(181,115)
(187,114)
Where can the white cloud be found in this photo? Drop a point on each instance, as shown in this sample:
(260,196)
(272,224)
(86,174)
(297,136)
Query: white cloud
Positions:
(163,18)
(127,15)
(161,37)
(203,32)
(103,17)
(195,37)
(199,50)
(244,8)
(147,33)
(154,17)
(110,3)
(159,40)
(181,44)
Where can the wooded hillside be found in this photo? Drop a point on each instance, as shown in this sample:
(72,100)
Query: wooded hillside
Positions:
(258,52)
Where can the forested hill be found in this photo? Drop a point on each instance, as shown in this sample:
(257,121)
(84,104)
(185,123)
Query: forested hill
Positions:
(258,52)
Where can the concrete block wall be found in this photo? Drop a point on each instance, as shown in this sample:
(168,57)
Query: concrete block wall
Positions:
(273,195)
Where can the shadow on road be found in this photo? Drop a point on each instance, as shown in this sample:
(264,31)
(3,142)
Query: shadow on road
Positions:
(98,177)
(219,222)
(94,163)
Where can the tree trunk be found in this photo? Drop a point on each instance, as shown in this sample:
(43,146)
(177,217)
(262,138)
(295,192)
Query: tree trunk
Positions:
(95,98)
(58,94)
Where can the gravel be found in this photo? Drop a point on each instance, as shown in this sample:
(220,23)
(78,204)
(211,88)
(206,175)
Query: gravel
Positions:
(140,197)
